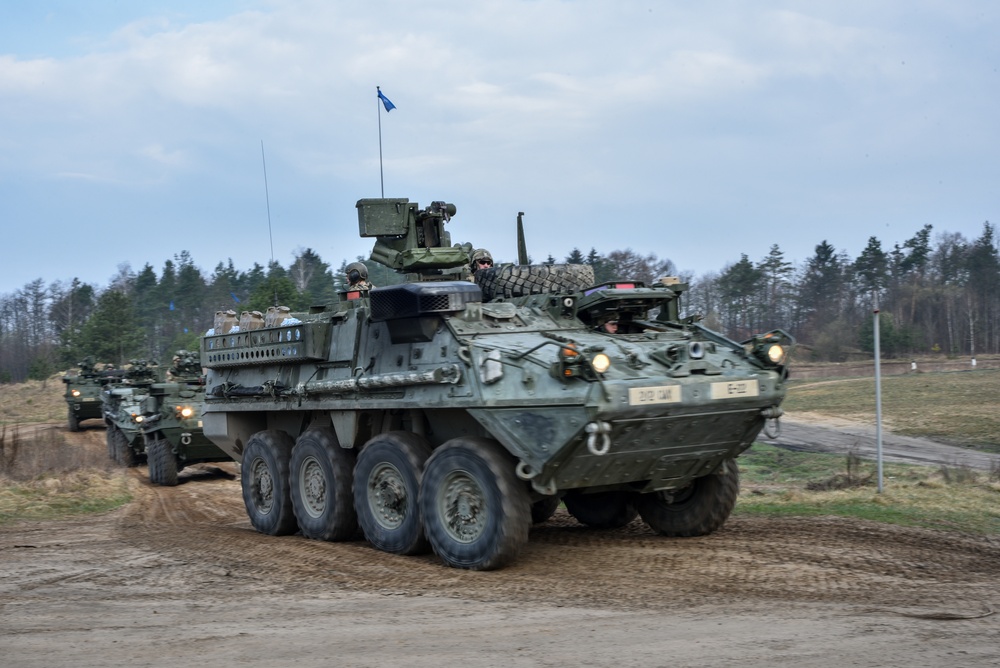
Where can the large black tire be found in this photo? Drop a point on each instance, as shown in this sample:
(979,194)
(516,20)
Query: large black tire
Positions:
(602,510)
(698,509)
(544,508)
(387,491)
(476,512)
(264,478)
(109,438)
(321,474)
(123,452)
(162,462)
(520,280)
(72,422)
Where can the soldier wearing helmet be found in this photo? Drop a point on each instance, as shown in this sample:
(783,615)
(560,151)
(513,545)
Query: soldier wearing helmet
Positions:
(480,258)
(357,277)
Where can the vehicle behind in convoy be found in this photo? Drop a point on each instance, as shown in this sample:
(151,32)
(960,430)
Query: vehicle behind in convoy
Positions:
(83,392)
(171,428)
(122,405)
(450,415)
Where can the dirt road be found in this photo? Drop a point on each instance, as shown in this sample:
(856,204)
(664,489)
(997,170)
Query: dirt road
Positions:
(814,433)
(178,577)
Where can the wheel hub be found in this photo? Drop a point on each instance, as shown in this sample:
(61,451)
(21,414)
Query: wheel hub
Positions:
(313,487)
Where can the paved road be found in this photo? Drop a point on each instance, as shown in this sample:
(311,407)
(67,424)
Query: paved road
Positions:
(839,436)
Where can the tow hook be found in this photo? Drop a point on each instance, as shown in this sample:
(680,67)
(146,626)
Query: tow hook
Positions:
(599,431)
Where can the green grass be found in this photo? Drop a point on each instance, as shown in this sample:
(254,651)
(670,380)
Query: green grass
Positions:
(959,407)
(780,483)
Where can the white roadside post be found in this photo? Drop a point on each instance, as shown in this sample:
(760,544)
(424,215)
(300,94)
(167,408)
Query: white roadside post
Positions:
(878,396)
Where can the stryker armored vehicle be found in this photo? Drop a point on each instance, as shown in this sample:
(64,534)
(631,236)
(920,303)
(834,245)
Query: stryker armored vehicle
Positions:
(171,427)
(123,415)
(437,419)
(83,392)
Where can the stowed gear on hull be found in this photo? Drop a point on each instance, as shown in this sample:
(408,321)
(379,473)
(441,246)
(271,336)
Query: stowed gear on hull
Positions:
(462,421)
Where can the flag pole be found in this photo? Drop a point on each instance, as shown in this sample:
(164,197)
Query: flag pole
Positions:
(378,102)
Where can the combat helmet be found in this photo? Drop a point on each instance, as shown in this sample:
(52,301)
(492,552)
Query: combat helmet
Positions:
(356,271)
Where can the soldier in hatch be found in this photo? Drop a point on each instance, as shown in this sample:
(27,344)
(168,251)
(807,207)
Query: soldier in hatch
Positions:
(481,259)
(357,277)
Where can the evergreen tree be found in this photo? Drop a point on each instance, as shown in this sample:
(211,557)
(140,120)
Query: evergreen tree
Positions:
(112,333)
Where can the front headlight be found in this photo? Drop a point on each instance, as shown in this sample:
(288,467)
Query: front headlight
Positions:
(186,411)
(776,354)
(75,393)
(600,362)
(137,418)
(771,348)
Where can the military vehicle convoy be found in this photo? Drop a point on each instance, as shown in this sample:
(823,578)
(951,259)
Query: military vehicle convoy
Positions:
(171,425)
(435,418)
(123,413)
(83,392)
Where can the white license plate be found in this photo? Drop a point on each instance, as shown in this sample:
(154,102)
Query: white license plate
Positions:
(735,389)
(646,396)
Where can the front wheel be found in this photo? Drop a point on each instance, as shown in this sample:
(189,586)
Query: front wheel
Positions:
(162,462)
(386,491)
(73,422)
(321,479)
(264,478)
(476,512)
(698,509)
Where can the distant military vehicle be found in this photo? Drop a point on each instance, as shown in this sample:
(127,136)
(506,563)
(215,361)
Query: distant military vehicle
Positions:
(83,392)
(123,415)
(437,419)
(171,427)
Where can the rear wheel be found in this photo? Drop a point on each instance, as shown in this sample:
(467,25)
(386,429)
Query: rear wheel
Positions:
(162,462)
(387,489)
(264,478)
(602,510)
(476,512)
(544,508)
(696,510)
(321,481)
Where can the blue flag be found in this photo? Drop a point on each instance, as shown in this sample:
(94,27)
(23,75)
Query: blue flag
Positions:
(389,106)
(171,306)
(235,298)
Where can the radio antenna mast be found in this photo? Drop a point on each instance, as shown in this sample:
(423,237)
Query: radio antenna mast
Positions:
(267,199)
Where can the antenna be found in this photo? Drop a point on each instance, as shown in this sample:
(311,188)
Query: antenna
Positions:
(267,199)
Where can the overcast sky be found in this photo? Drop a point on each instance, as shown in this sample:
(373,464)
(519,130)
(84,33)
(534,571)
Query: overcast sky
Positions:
(698,131)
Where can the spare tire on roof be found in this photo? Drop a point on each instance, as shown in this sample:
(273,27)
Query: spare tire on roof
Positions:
(521,280)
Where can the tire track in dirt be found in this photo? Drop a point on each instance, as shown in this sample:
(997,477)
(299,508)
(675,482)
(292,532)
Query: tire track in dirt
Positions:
(797,559)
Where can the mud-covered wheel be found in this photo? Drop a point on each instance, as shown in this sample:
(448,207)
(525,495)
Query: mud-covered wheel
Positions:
(544,508)
(125,454)
(602,510)
(72,422)
(520,280)
(476,512)
(696,510)
(387,490)
(264,478)
(109,438)
(321,486)
(152,462)
(162,462)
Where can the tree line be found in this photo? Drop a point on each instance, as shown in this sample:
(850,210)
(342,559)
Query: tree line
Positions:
(940,297)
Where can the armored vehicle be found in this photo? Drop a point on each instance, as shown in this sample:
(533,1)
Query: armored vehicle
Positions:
(437,419)
(123,413)
(171,427)
(83,392)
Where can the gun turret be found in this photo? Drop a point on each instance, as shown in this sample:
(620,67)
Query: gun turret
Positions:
(413,240)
